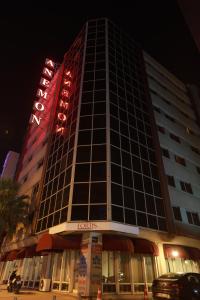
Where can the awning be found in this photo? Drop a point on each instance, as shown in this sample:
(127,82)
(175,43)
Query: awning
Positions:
(117,243)
(179,251)
(51,242)
(12,255)
(175,251)
(194,253)
(143,246)
(3,257)
(21,253)
(27,252)
(31,251)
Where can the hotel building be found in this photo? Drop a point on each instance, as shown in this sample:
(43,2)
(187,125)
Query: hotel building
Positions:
(111,163)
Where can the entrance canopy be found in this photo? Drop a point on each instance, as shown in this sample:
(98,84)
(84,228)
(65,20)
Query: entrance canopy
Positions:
(116,243)
(51,242)
(27,252)
(179,251)
(143,246)
(138,246)
(12,255)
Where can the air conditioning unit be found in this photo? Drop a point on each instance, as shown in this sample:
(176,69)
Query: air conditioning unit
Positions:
(45,284)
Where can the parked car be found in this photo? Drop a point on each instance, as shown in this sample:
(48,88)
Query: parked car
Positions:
(177,286)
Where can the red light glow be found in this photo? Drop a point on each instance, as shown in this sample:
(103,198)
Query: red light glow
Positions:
(64,104)
(65,93)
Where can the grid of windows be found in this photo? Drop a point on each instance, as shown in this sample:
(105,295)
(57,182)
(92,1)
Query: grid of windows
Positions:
(55,195)
(160,111)
(89,195)
(136,195)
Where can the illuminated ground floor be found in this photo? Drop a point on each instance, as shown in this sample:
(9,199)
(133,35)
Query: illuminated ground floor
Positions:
(81,262)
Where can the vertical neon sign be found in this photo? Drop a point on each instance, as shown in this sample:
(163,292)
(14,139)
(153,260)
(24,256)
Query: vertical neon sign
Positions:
(39,106)
(64,102)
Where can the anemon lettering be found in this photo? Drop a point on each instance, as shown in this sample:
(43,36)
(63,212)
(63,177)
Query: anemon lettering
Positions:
(38,106)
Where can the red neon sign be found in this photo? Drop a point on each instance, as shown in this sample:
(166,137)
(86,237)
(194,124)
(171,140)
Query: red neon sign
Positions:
(48,71)
(64,101)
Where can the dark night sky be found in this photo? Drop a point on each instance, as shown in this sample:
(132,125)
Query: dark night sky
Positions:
(30,34)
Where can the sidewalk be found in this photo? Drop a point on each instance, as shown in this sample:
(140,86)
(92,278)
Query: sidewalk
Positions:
(33,295)
(36,295)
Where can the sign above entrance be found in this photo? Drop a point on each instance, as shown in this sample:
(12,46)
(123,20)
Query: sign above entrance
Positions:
(94,226)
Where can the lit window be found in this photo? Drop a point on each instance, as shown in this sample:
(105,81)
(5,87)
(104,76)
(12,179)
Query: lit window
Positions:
(189,131)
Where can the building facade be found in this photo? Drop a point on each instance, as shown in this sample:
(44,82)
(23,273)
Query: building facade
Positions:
(116,197)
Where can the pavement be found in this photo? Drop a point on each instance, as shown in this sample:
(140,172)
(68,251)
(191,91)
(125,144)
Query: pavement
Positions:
(37,295)
(33,295)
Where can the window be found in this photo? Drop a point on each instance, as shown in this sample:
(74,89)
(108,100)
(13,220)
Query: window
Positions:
(193,218)
(124,274)
(108,271)
(196,150)
(165,152)
(161,129)
(177,213)
(186,187)
(170,180)
(24,179)
(174,137)
(198,169)
(180,160)
(156,109)
(189,131)
(81,193)
(40,163)
(30,158)
(34,191)
(169,118)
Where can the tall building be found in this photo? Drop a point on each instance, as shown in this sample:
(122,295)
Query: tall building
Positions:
(111,163)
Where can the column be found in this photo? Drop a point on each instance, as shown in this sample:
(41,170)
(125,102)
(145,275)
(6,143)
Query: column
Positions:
(90,266)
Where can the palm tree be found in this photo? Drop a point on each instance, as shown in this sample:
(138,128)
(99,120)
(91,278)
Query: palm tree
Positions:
(13,207)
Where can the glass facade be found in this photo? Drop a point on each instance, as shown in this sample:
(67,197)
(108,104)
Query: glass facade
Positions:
(90,196)
(57,178)
(136,193)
